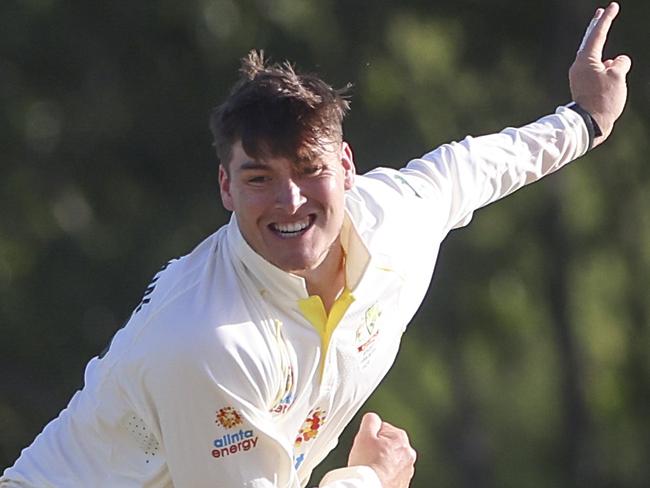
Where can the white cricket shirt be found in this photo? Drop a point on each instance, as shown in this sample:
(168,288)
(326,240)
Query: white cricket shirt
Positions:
(228,374)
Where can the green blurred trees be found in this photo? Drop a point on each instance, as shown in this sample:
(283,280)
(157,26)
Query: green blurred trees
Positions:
(527,366)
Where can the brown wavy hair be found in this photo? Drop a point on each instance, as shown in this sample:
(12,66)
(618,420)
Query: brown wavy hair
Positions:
(278,112)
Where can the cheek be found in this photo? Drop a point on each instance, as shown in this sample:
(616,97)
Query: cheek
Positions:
(252,205)
(332,202)
(329,192)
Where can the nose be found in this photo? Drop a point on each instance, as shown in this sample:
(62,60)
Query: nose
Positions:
(289,196)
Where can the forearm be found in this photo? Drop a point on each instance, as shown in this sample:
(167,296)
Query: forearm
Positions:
(461,177)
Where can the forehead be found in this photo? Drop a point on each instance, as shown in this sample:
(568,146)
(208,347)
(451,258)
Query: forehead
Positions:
(240,160)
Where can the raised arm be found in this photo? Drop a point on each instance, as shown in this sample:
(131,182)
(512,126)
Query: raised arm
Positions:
(461,177)
(599,85)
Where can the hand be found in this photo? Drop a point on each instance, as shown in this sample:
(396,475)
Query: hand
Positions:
(385,449)
(599,86)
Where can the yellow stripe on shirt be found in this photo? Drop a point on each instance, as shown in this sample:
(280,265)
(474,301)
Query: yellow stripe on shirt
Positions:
(313,310)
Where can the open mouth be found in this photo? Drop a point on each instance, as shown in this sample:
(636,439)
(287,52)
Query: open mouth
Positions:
(293,229)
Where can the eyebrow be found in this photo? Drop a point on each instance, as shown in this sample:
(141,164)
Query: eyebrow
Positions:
(252,165)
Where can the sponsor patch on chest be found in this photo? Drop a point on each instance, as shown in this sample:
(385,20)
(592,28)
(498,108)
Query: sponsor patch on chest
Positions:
(233,441)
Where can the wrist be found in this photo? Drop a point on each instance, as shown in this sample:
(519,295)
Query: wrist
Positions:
(593,129)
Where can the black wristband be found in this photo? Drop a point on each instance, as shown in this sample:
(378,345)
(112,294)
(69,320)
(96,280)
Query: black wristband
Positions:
(592,126)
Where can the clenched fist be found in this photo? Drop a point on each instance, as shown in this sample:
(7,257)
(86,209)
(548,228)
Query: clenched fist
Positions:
(386,449)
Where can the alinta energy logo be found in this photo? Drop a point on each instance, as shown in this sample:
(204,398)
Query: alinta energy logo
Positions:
(235,442)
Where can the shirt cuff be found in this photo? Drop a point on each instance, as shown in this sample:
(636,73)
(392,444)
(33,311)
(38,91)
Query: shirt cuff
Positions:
(351,477)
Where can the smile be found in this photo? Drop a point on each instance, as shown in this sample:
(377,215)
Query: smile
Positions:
(292,229)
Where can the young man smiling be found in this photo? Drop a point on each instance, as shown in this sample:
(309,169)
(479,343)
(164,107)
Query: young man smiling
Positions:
(248,357)
(292,214)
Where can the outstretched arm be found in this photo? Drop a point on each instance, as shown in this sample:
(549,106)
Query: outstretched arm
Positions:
(599,85)
(458,178)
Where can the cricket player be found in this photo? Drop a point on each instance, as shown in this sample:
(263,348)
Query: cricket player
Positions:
(246,358)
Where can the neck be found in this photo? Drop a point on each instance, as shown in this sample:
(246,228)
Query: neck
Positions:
(328,278)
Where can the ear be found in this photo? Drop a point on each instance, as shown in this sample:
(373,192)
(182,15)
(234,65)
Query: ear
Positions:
(224,187)
(347,160)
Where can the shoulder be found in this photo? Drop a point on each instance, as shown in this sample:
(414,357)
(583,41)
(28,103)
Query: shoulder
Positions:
(384,196)
(167,302)
(194,315)
(180,274)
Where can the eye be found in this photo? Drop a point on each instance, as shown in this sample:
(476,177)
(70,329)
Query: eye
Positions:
(311,169)
(257,179)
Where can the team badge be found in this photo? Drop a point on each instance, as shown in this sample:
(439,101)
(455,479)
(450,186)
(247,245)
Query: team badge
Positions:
(366,334)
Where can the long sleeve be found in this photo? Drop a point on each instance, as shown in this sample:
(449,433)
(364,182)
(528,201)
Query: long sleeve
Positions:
(460,177)
(351,477)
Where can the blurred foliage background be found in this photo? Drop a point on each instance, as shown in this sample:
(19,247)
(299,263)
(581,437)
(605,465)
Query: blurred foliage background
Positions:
(528,364)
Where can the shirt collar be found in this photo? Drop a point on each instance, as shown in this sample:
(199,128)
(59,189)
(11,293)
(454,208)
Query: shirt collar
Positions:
(272,279)
(357,255)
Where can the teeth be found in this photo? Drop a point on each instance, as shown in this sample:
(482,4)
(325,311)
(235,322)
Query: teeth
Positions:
(292,227)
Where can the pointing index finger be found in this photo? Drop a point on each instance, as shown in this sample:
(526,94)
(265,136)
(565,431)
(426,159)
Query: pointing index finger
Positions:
(594,39)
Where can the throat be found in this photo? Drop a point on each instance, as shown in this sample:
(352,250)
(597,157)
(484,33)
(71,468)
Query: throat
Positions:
(328,291)
(328,280)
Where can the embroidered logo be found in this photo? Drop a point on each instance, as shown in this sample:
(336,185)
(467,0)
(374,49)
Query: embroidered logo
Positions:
(403,181)
(285,401)
(286,393)
(311,426)
(309,430)
(298,460)
(228,418)
(235,442)
(366,329)
(367,333)
(284,404)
